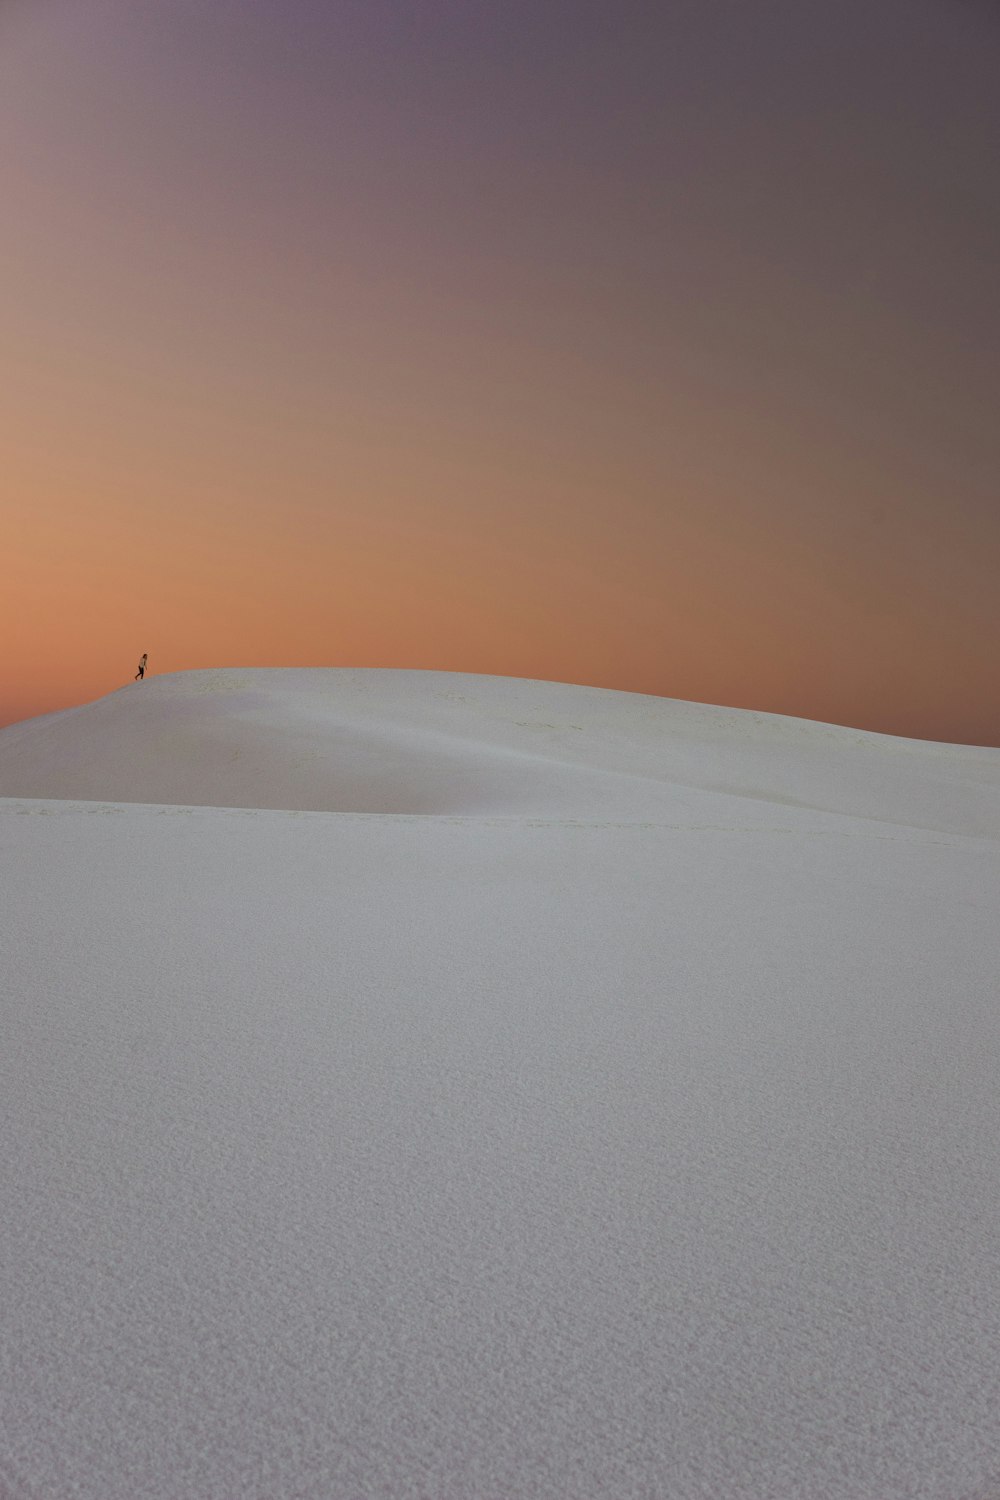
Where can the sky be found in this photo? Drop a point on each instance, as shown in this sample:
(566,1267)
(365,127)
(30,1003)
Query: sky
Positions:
(647,346)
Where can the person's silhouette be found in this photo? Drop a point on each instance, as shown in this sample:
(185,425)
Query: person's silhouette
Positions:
(142,667)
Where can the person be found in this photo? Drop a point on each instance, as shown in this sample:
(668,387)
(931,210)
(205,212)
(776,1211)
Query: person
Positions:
(142,667)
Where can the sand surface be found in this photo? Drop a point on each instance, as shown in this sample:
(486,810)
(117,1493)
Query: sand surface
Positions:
(439,1086)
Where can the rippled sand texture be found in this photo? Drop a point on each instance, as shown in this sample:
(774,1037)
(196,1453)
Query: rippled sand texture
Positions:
(446,1086)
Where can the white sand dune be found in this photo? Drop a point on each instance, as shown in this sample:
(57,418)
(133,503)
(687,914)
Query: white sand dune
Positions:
(444,1086)
(439,742)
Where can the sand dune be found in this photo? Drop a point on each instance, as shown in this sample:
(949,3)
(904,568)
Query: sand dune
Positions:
(440,1086)
(436,742)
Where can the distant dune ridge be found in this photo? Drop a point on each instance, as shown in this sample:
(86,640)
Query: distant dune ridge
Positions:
(436,1085)
(436,742)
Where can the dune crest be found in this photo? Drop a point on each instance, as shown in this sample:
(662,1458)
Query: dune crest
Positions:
(380,741)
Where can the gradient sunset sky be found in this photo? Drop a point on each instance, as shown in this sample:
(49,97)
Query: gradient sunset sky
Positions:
(651,344)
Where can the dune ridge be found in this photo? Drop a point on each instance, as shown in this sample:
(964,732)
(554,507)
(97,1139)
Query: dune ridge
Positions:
(343,740)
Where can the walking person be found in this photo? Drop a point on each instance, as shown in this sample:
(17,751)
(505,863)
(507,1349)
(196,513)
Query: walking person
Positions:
(142,667)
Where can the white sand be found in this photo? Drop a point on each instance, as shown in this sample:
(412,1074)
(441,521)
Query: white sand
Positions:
(594,1096)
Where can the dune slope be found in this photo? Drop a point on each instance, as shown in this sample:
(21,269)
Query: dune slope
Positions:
(419,1085)
(436,742)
